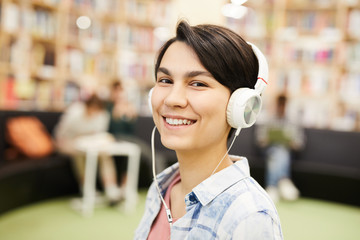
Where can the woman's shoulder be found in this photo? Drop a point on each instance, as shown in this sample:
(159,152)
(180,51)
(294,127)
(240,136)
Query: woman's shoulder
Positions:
(245,198)
(76,108)
(245,206)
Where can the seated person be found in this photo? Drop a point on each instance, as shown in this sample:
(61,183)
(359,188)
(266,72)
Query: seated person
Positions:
(123,116)
(85,121)
(279,136)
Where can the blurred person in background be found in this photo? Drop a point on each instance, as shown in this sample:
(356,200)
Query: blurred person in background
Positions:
(122,112)
(123,116)
(88,121)
(278,137)
(345,119)
(121,123)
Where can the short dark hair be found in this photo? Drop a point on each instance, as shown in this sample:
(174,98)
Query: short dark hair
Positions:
(281,100)
(116,83)
(227,56)
(94,101)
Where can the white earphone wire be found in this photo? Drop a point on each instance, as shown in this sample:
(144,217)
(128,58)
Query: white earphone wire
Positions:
(227,152)
(168,212)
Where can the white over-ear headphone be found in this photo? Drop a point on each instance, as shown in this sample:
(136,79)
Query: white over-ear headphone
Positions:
(245,103)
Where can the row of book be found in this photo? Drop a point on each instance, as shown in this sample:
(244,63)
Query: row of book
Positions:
(137,67)
(306,53)
(46,2)
(350,88)
(354,23)
(38,22)
(140,38)
(37,94)
(154,12)
(352,56)
(313,82)
(80,62)
(103,32)
(26,94)
(318,83)
(98,6)
(311,22)
(318,3)
(253,24)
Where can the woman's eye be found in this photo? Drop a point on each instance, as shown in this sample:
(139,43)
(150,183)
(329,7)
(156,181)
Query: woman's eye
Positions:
(198,84)
(164,80)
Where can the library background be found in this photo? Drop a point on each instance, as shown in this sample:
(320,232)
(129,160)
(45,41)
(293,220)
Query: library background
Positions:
(56,52)
(53,52)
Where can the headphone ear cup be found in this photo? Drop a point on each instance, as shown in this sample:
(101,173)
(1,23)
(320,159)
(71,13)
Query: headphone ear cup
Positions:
(243,108)
(149,99)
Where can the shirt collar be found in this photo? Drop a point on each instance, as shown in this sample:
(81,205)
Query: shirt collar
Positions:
(211,187)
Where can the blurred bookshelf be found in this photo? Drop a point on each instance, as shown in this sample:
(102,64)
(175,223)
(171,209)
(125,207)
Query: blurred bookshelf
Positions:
(313,49)
(54,52)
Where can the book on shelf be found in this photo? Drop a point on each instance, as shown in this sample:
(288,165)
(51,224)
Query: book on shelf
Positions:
(317,82)
(306,51)
(25,90)
(75,61)
(99,6)
(8,93)
(353,56)
(310,82)
(71,93)
(252,24)
(354,23)
(311,22)
(139,68)
(350,88)
(89,63)
(44,94)
(148,12)
(11,17)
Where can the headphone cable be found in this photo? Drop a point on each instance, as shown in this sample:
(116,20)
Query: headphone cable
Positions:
(168,212)
(227,152)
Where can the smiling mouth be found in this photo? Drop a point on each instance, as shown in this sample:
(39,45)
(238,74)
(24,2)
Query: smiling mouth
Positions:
(179,122)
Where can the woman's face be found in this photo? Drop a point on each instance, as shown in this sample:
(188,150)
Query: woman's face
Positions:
(189,104)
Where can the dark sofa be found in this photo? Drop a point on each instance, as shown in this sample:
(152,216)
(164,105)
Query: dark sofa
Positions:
(328,168)
(23,180)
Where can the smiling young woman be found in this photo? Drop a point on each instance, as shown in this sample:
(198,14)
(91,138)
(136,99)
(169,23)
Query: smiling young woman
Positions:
(208,194)
(189,105)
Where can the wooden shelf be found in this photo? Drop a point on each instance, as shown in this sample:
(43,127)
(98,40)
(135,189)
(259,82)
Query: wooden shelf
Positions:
(311,54)
(50,52)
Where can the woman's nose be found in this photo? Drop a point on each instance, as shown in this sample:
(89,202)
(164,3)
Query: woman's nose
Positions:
(176,97)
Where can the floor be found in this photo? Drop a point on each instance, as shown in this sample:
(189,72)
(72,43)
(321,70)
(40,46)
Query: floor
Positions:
(55,220)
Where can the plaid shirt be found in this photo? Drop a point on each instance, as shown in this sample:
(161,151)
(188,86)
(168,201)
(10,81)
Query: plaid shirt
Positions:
(228,205)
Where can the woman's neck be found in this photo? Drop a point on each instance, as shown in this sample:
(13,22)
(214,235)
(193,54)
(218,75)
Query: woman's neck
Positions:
(196,166)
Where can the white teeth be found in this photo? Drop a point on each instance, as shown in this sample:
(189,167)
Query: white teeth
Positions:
(172,121)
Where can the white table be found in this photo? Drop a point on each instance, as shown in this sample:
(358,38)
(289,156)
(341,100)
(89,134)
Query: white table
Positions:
(121,148)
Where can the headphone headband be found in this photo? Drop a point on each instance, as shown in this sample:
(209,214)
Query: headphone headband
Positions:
(263,74)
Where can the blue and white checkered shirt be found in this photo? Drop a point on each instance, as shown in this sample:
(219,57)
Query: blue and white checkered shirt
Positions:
(228,205)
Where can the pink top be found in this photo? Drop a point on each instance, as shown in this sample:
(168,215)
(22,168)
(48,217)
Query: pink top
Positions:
(160,230)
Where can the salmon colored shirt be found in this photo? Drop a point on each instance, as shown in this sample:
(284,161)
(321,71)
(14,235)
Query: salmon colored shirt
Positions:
(160,229)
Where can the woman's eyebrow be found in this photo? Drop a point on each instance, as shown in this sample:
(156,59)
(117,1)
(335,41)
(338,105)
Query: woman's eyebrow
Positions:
(164,70)
(188,74)
(198,73)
